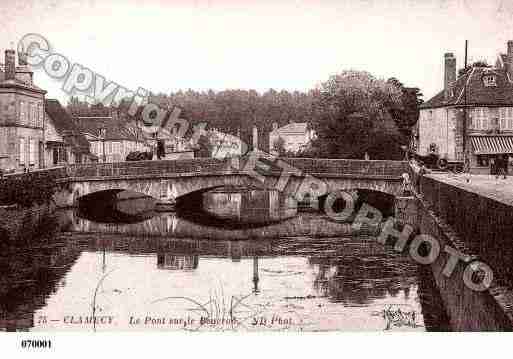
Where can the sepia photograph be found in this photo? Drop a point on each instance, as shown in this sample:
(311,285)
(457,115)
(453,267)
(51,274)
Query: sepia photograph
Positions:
(198,171)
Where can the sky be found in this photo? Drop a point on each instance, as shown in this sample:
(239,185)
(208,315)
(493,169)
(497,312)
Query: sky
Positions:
(168,45)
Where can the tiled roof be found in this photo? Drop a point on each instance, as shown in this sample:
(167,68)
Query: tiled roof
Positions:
(477,93)
(294,127)
(65,126)
(20,84)
(16,82)
(114,129)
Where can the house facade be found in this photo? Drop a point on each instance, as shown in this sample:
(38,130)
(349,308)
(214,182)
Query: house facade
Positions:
(111,139)
(175,147)
(64,144)
(225,145)
(21,117)
(472,116)
(296,137)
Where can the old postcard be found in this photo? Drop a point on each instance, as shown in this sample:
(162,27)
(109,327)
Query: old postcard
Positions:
(224,166)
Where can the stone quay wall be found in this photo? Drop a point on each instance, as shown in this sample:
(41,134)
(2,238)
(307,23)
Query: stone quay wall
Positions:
(478,226)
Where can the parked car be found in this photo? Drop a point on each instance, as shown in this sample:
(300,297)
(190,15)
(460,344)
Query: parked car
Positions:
(139,156)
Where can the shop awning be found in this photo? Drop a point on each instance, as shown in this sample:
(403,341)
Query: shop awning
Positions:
(488,145)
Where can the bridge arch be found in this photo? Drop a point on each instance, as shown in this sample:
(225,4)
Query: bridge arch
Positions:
(173,187)
(116,205)
(166,189)
(392,188)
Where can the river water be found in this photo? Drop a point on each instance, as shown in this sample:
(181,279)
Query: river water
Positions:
(247,261)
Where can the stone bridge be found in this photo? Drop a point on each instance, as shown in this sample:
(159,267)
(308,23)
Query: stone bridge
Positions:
(170,180)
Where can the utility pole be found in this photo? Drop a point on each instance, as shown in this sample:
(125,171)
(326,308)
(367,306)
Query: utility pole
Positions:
(104,264)
(256,278)
(464,132)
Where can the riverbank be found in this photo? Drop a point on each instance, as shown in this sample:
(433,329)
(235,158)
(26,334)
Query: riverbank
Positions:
(19,223)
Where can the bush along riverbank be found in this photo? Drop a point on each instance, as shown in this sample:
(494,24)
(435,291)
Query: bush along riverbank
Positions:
(25,202)
(27,189)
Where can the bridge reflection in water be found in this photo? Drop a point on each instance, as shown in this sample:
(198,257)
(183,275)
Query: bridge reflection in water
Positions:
(249,206)
(304,273)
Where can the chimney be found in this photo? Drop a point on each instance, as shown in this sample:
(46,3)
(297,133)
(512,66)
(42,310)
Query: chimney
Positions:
(509,60)
(22,58)
(10,64)
(449,73)
(255,138)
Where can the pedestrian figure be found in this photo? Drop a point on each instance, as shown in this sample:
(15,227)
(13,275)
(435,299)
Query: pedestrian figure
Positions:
(161,150)
(466,168)
(499,164)
(406,184)
(492,166)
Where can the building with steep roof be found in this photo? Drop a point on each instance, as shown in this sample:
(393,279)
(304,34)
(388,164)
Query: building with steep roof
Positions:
(472,114)
(64,143)
(111,139)
(21,116)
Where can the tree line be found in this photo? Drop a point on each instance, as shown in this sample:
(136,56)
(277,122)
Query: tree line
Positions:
(352,113)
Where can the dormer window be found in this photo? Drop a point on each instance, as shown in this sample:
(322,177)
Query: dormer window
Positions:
(489,80)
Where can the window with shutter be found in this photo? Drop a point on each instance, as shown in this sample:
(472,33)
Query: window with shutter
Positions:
(21,150)
(32,151)
(22,113)
(489,80)
(33,109)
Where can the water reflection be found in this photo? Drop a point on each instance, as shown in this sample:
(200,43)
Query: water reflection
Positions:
(302,273)
(249,206)
(29,274)
(174,225)
(356,279)
(115,206)
(177,262)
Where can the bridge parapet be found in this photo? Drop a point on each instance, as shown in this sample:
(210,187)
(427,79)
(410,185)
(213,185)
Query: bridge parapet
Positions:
(57,172)
(145,168)
(300,166)
(349,167)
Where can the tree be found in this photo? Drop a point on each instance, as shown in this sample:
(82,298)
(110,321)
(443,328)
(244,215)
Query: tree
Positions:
(237,111)
(354,117)
(406,113)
